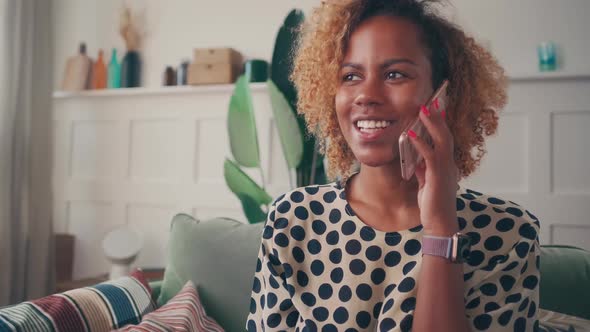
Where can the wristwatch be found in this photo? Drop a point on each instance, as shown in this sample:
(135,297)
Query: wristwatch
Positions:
(456,248)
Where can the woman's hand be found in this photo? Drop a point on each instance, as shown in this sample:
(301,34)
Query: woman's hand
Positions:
(437,176)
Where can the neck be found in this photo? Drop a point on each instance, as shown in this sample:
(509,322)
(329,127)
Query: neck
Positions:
(384,186)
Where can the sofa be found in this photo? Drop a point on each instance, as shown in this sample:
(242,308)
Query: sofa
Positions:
(219,257)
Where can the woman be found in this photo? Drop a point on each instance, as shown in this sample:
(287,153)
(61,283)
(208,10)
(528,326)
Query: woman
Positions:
(360,254)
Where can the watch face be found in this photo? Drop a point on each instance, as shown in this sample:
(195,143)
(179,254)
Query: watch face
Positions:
(463,247)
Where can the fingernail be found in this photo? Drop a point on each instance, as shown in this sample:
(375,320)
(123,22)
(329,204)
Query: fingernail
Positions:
(435,102)
(425,110)
(412,134)
(443,113)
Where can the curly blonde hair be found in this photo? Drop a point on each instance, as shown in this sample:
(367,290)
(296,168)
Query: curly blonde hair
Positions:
(477,90)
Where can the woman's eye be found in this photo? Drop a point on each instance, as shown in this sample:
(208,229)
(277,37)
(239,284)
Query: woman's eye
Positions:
(392,75)
(351,77)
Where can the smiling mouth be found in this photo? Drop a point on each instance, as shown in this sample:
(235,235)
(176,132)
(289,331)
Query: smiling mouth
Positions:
(372,126)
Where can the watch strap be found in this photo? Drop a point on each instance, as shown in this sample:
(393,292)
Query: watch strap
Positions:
(437,246)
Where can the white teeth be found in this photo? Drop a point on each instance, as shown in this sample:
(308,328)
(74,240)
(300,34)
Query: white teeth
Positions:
(372,124)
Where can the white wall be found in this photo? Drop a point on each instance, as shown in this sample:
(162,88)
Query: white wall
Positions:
(174,28)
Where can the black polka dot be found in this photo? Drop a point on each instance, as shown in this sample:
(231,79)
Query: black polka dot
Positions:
(284,207)
(314,247)
(377,309)
(505,224)
(308,299)
(377,276)
(268,232)
(408,267)
(475,237)
(367,233)
(364,292)
(373,253)
(473,303)
(468,196)
(493,243)
(357,267)
(353,247)
(310,326)
(251,326)
(335,216)
(530,282)
(389,289)
(392,258)
(524,304)
(348,227)
(514,211)
(460,204)
(514,298)
(504,318)
(297,197)
(290,289)
(467,276)
(318,226)
(340,315)
(298,233)
(271,300)
(316,207)
(325,291)
(520,324)
(256,286)
(532,309)
(409,304)
(329,197)
(273,282)
(332,238)
(388,305)
(312,190)
(527,231)
(476,206)
(522,249)
(387,324)
(252,306)
(336,275)
(302,278)
(363,319)
(412,247)
(281,223)
(462,223)
(489,289)
(471,191)
(476,257)
(263,301)
(496,201)
(393,238)
(510,266)
(406,285)
(507,281)
(498,210)
(336,256)
(406,323)
(524,267)
(482,322)
(317,267)
(301,213)
(345,293)
(288,270)
(298,254)
(482,221)
(258,265)
(320,313)
(491,306)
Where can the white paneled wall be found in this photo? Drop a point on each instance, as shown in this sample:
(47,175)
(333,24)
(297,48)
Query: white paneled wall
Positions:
(139,157)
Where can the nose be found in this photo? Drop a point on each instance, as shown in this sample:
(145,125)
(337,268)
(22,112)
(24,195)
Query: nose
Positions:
(370,94)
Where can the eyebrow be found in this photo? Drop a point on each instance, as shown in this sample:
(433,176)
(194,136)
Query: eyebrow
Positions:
(384,65)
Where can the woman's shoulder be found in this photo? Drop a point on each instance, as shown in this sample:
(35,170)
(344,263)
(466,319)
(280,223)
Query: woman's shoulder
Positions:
(484,213)
(325,193)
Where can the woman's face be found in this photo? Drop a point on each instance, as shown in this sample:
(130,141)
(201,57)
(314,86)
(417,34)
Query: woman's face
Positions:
(384,79)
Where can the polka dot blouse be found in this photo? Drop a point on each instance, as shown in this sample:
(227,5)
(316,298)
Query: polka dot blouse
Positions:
(320,268)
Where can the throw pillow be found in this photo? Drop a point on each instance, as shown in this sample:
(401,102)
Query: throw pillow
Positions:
(102,307)
(183,313)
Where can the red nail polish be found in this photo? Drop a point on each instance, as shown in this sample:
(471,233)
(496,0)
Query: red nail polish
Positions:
(435,102)
(443,113)
(412,134)
(425,110)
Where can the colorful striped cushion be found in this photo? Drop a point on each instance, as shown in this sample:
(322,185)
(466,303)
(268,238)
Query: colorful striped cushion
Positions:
(102,307)
(184,312)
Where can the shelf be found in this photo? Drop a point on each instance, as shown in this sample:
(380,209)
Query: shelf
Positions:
(550,75)
(169,90)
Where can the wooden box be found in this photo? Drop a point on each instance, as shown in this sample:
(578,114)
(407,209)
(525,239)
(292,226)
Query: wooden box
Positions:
(216,55)
(215,66)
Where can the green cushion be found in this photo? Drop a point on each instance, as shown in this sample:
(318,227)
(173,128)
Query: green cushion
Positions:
(219,256)
(565,280)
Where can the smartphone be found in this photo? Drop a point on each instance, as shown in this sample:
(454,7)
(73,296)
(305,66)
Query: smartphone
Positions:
(409,156)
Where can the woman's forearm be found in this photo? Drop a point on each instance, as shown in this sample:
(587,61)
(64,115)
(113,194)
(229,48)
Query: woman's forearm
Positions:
(440,305)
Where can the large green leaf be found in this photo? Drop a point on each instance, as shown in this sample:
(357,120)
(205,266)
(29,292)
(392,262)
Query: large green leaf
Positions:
(288,128)
(241,125)
(252,210)
(242,185)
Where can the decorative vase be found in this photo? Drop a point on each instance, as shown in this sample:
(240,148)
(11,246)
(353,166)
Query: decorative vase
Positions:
(131,70)
(114,75)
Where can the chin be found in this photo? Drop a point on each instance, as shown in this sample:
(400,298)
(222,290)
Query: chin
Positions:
(374,159)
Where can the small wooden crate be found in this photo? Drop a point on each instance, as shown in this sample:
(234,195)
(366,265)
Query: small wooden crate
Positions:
(215,66)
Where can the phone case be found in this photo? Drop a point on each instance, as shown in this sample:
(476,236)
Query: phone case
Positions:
(409,156)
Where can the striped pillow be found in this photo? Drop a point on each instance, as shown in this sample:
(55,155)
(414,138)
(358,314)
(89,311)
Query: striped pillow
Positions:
(184,312)
(102,307)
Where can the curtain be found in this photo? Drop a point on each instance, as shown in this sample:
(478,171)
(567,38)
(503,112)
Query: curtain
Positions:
(26,248)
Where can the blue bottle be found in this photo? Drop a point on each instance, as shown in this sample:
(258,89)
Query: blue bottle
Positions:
(114,76)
